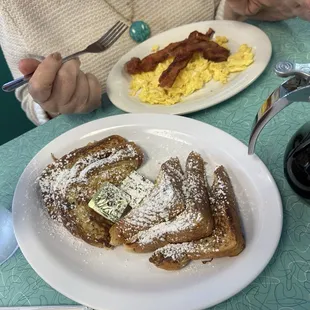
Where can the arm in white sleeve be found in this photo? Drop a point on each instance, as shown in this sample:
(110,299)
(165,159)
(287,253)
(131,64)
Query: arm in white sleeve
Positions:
(14,49)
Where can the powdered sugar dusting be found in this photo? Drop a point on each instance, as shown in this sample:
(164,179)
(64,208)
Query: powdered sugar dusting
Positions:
(182,222)
(57,178)
(219,197)
(209,245)
(157,205)
(194,194)
(175,252)
(57,230)
(137,187)
(165,201)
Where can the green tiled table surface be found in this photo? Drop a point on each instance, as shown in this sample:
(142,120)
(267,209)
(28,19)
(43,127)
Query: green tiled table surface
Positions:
(10,109)
(285,282)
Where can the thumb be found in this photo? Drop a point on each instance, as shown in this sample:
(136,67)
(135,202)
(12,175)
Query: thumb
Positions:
(28,65)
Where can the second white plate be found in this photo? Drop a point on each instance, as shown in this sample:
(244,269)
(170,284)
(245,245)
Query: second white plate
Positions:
(119,280)
(214,92)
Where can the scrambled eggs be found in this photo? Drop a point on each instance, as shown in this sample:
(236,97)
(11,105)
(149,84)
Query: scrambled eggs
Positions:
(198,72)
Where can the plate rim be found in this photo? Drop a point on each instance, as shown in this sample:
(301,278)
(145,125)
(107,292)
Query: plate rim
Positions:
(150,115)
(116,100)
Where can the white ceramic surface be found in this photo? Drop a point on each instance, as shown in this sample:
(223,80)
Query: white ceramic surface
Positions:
(116,279)
(213,92)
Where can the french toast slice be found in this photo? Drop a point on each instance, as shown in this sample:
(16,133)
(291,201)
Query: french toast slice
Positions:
(226,240)
(68,184)
(194,223)
(165,201)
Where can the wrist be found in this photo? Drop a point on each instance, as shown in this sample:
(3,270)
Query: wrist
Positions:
(40,115)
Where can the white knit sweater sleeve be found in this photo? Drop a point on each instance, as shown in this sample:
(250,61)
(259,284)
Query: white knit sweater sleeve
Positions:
(220,10)
(14,49)
(42,27)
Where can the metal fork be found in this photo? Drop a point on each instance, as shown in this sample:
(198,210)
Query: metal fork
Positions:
(106,41)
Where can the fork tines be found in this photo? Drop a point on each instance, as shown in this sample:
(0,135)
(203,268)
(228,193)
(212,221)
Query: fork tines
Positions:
(113,34)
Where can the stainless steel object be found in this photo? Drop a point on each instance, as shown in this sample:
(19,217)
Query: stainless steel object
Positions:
(106,41)
(296,89)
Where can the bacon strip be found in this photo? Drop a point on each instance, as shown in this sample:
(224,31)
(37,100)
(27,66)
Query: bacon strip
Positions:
(149,63)
(211,50)
(169,76)
(201,36)
(182,52)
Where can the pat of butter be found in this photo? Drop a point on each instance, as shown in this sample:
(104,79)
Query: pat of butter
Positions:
(110,202)
(137,187)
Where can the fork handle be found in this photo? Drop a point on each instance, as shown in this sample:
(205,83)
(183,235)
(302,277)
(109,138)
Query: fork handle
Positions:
(12,85)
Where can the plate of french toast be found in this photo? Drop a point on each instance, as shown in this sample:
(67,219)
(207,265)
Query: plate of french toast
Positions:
(147,212)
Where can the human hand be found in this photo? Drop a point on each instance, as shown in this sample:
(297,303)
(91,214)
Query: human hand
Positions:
(61,88)
(268,10)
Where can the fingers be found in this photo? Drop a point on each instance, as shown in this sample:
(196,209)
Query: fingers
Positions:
(270,10)
(253,8)
(305,14)
(79,97)
(28,65)
(41,83)
(94,98)
(87,95)
(244,7)
(287,9)
(303,10)
(63,87)
(269,15)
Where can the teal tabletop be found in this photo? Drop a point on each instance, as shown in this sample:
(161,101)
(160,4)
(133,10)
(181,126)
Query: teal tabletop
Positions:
(285,282)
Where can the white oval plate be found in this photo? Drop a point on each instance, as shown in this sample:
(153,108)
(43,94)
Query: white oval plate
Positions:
(213,92)
(116,279)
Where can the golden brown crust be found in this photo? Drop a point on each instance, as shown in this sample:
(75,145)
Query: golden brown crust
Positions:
(231,209)
(68,184)
(226,240)
(164,203)
(194,223)
(169,264)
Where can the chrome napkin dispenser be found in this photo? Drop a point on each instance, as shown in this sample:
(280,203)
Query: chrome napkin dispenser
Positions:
(297,154)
